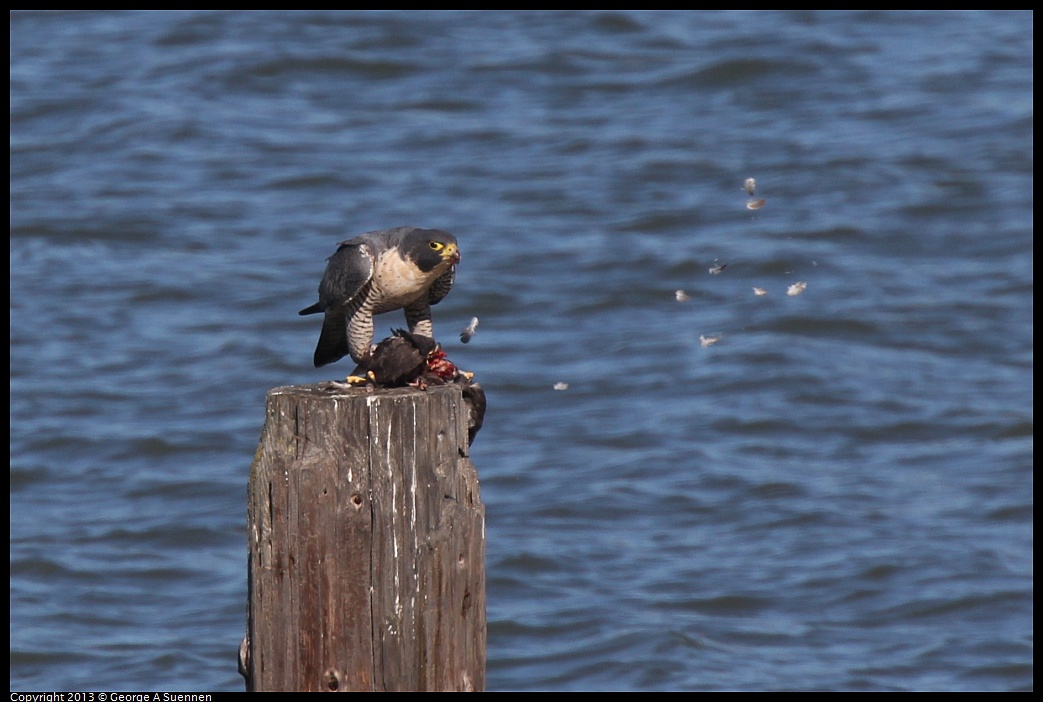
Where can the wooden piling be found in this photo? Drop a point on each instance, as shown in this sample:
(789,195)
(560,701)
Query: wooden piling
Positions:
(366,544)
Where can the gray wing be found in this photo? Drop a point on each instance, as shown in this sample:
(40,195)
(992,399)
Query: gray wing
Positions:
(347,274)
(348,271)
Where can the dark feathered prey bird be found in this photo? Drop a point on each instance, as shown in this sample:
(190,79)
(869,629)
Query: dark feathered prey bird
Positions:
(442,371)
(413,359)
(398,360)
(474,398)
(405,268)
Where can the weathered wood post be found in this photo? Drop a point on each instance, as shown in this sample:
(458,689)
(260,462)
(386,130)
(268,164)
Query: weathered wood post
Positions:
(367,544)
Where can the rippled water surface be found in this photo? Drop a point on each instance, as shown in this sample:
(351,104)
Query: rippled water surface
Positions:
(836,494)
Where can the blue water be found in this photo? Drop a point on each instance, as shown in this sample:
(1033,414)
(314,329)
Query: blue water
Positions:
(835,495)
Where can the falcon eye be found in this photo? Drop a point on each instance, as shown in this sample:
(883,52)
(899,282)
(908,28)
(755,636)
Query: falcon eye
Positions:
(436,246)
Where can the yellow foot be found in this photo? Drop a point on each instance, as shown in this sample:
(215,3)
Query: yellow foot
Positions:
(356,380)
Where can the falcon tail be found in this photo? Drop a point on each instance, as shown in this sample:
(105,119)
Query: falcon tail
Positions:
(333,340)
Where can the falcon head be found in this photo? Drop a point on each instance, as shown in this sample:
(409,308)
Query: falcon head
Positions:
(430,249)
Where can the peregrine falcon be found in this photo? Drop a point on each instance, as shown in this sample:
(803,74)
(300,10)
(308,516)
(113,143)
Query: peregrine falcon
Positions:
(405,268)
